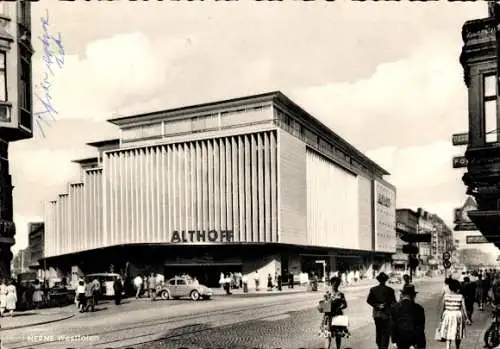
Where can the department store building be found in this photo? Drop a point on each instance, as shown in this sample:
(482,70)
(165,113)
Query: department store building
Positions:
(253,183)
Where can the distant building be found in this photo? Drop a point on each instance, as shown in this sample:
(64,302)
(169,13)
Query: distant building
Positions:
(422,222)
(35,243)
(406,223)
(21,262)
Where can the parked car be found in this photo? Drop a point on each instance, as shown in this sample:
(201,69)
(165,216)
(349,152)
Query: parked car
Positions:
(183,287)
(395,278)
(106,280)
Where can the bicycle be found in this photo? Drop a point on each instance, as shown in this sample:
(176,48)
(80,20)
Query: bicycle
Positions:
(492,334)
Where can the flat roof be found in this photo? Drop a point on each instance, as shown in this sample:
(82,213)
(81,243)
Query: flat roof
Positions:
(98,144)
(86,160)
(276,97)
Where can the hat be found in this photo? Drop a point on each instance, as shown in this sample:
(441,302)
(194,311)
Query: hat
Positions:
(409,290)
(382,277)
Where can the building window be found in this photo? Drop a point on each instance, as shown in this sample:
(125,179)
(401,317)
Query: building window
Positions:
(3,78)
(25,101)
(23,16)
(490,108)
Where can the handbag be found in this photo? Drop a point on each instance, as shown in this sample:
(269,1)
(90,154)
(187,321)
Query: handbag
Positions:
(438,335)
(325,306)
(340,321)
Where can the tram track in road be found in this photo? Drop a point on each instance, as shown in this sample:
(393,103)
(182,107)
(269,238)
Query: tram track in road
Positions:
(237,315)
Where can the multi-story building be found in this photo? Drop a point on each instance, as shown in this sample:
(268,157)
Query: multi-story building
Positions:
(406,223)
(442,238)
(425,226)
(21,262)
(479,59)
(421,222)
(36,243)
(254,183)
(16,118)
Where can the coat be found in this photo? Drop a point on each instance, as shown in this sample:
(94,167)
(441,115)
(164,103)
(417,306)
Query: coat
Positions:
(408,324)
(381,295)
(11,298)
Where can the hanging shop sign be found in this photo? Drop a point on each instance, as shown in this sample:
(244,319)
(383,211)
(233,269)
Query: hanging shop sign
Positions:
(460,138)
(194,236)
(459,162)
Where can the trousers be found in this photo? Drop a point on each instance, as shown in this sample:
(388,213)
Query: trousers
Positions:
(382,333)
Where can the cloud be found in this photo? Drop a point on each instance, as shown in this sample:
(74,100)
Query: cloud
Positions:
(404,103)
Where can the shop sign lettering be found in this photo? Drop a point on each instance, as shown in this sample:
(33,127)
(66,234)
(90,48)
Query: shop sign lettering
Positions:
(202,236)
(384,201)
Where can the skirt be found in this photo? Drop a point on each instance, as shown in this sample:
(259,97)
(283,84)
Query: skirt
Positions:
(11,301)
(452,325)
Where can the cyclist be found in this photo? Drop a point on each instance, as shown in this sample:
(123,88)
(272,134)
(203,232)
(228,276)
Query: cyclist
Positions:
(492,335)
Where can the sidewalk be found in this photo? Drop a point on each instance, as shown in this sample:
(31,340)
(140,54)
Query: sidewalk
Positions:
(474,334)
(36,317)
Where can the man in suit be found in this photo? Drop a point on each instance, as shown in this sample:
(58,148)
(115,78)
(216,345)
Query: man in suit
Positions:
(469,293)
(381,298)
(408,321)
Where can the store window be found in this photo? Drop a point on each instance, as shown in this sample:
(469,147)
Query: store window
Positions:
(490,108)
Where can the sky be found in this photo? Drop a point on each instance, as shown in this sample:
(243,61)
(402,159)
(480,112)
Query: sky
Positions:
(383,75)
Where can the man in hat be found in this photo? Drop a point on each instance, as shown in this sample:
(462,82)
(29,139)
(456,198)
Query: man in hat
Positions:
(408,321)
(381,298)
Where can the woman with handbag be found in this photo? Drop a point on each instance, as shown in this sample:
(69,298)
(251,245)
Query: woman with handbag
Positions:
(334,322)
(454,316)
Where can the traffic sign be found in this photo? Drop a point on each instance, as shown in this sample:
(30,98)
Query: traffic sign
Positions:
(446,256)
(447,264)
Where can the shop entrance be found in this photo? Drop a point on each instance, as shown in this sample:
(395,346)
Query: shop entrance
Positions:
(312,265)
(207,274)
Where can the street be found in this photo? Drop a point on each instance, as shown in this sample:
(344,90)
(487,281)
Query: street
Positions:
(282,321)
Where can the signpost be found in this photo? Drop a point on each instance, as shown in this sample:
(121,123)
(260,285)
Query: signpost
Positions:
(459,162)
(460,138)
(446,263)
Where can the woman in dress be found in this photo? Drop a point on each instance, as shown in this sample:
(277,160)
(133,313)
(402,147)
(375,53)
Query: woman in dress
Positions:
(454,316)
(37,294)
(11,298)
(338,304)
(3,297)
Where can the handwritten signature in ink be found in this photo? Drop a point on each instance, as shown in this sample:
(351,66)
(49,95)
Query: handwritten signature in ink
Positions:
(53,54)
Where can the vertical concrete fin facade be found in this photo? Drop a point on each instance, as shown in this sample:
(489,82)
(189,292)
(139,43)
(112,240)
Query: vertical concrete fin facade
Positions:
(292,188)
(216,184)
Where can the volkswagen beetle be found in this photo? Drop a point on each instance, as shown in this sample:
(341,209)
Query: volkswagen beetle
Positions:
(183,287)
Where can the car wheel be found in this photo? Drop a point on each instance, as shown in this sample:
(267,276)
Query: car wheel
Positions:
(195,295)
(165,295)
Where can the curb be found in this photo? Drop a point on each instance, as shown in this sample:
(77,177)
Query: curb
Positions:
(66,317)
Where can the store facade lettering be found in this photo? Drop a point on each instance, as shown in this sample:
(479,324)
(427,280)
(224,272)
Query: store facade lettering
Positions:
(192,236)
